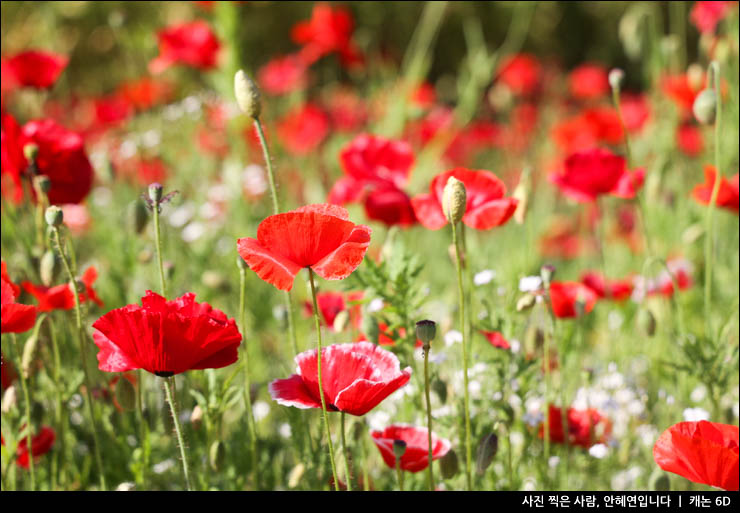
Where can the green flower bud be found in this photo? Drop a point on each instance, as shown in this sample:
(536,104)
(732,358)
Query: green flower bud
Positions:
(546,273)
(487,450)
(196,417)
(705,107)
(426,331)
(341,320)
(42,184)
(247,95)
(294,478)
(525,302)
(646,321)
(240,263)
(125,394)
(54,216)
(454,200)
(217,455)
(449,465)
(30,151)
(29,353)
(155,192)
(137,216)
(46,268)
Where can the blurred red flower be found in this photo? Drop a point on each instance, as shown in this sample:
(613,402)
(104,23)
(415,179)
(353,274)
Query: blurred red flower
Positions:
(347,111)
(585,427)
(283,75)
(76,218)
(416,457)
(16,318)
(35,68)
(562,239)
(192,44)
(317,236)
(689,139)
(521,73)
(60,297)
(112,110)
(589,81)
(564,297)
(330,304)
(356,378)
(496,339)
(303,129)
(679,269)
(635,111)
(166,337)
(682,90)
(328,31)
(703,452)
(618,290)
(145,92)
(486,206)
(706,15)
(41,443)
(728,196)
(589,174)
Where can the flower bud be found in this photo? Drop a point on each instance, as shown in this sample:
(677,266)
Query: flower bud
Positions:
(525,302)
(616,77)
(340,321)
(42,184)
(196,417)
(294,478)
(449,465)
(705,106)
(217,455)
(487,450)
(247,95)
(155,192)
(695,76)
(241,263)
(30,151)
(454,200)
(54,216)
(546,273)
(10,399)
(125,394)
(646,321)
(29,353)
(521,194)
(425,331)
(137,216)
(399,448)
(46,268)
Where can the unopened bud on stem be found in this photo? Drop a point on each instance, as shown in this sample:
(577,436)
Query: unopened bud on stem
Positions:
(54,216)
(454,200)
(425,331)
(616,77)
(247,95)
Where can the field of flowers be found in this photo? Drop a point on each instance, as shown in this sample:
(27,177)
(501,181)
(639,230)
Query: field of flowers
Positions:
(370,246)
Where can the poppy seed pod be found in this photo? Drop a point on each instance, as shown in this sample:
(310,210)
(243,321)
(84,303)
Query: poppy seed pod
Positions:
(454,199)
(449,465)
(425,331)
(399,448)
(54,216)
(247,95)
(705,106)
(155,192)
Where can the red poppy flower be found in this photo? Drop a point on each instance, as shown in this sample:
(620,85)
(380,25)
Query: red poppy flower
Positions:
(390,206)
(521,73)
(585,427)
(486,206)
(41,443)
(635,111)
(476,137)
(283,75)
(36,68)
(375,159)
(728,194)
(166,337)
(618,290)
(330,304)
(13,162)
(5,277)
(689,139)
(706,15)
(589,174)
(565,295)
(146,92)
(328,31)
(112,110)
(424,95)
(60,297)
(496,339)
(347,111)
(317,236)
(16,318)
(589,81)
(681,90)
(416,457)
(356,378)
(302,130)
(703,452)
(193,44)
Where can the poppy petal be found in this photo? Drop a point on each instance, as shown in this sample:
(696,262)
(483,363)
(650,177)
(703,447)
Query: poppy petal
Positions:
(272,268)
(341,262)
(428,211)
(293,392)
(110,357)
(491,214)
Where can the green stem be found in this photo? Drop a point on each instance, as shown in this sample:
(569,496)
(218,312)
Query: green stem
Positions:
(83,353)
(346,457)
(58,417)
(709,237)
(399,473)
(158,242)
(143,428)
(27,404)
(168,385)
(466,400)
(268,163)
(430,474)
(321,384)
(247,381)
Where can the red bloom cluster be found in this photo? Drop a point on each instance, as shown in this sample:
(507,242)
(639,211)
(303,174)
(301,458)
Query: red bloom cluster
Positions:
(328,31)
(191,44)
(41,443)
(728,196)
(33,68)
(487,205)
(565,296)
(303,129)
(706,15)
(618,290)
(377,168)
(283,75)
(317,236)
(589,81)
(521,73)
(16,318)
(416,457)
(356,378)
(60,297)
(702,452)
(589,174)
(166,337)
(585,427)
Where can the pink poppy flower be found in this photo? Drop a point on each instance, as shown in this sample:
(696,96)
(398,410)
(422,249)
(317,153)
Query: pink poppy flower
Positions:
(416,457)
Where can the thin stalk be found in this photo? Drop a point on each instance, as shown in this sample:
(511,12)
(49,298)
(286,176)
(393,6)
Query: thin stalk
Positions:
(27,404)
(247,381)
(168,385)
(321,383)
(83,353)
(466,400)
(546,420)
(143,427)
(158,242)
(58,417)
(399,473)
(709,238)
(346,457)
(430,473)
